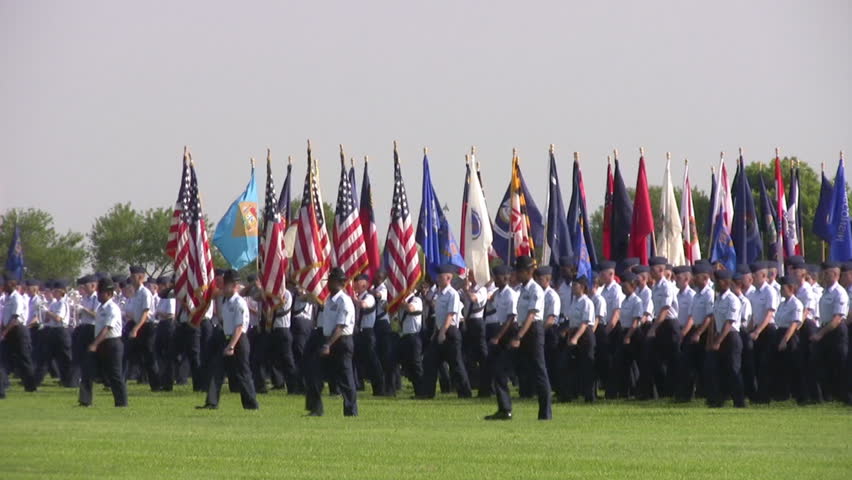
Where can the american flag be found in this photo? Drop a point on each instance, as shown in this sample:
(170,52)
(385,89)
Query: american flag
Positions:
(351,252)
(171,243)
(193,262)
(273,258)
(401,258)
(312,249)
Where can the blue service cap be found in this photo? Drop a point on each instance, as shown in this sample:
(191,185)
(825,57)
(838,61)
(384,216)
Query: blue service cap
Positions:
(567,261)
(723,274)
(628,276)
(681,269)
(641,269)
(581,281)
(702,261)
(812,269)
(787,280)
(830,264)
(544,270)
(136,269)
(32,283)
(743,269)
(502,270)
(60,284)
(524,262)
(100,275)
(360,276)
(606,265)
(757,266)
(845,266)
(795,261)
(337,274)
(218,272)
(118,279)
(231,276)
(163,280)
(701,268)
(658,260)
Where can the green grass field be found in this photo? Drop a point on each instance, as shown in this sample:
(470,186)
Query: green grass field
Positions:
(46,436)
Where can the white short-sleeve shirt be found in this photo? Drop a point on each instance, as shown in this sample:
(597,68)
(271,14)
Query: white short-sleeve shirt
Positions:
(764,300)
(339,310)
(447,302)
(582,311)
(531,299)
(702,305)
(631,309)
(727,308)
(108,315)
(368,312)
(552,304)
(834,301)
(663,296)
(789,312)
(234,313)
(14,306)
(412,322)
(614,297)
(684,303)
(505,304)
(282,319)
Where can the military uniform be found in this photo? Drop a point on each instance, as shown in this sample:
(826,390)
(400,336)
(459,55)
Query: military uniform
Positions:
(447,304)
(109,356)
(723,366)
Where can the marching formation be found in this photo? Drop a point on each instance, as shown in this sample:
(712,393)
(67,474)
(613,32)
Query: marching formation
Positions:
(648,319)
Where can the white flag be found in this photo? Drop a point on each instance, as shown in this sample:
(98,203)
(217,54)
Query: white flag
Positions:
(477,235)
(670,241)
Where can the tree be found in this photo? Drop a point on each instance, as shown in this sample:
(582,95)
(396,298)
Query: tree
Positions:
(47,254)
(124,236)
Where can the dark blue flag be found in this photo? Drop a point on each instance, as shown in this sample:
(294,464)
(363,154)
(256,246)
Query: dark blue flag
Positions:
(433,231)
(722,247)
(584,263)
(767,217)
(502,243)
(622,216)
(745,231)
(558,237)
(823,210)
(15,256)
(355,197)
(840,245)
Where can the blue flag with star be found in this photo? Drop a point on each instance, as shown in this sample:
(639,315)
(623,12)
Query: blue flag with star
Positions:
(433,231)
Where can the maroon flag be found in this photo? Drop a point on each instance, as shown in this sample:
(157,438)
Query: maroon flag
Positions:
(642,227)
(607,215)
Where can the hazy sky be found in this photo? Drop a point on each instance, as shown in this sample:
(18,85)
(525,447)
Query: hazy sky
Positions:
(98,98)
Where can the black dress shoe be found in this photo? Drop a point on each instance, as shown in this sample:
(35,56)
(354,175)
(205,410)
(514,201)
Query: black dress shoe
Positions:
(207,406)
(81,404)
(501,415)
(314,414)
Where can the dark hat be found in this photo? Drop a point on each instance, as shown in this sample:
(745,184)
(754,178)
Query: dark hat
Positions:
(231,276)
(723,274)
(545,270)
(502,270)
(737,276)
(218,272)
(794,261)
(251,278)
(337,274)
(82,281)
(702,261)
(669,267)
(681,269)
(163,280)
(628,276)
(100,275)
(32,283)
(830,264)
(743,269)
(106,285)
(448,268)
(701,268)
(136,269)
(151,280)
(787,280)
(117,278)
(658,260)
(628,262)
(606,265)
(362,276)
(812,269)
(845,266)
(757,266)
(524,262)
(60,284)
(641,269)
(566,261)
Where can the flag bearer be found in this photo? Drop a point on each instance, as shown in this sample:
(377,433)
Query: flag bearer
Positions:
(445,345)
(281,344)
(301,326)
(473,338)
(232,347)
(334,354)
(411,344)
(366,348)
(504,308)
(106,348)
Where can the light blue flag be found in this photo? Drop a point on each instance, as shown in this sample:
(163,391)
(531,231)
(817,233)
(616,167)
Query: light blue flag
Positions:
(236,232)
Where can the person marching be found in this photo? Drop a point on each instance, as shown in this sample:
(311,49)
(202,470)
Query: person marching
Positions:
(609,334)
(233,347)
(164,336)
(143,334)
(724,357)
(15,337)
(301,326)
(764,302)
(334,355)
(445,345)
(366,348)
(411,344)
(281,346)
(106,349)
(578,363)
(625,324)
(694,333)
(663,336)
(553,316)
(85,333)
(56,339)
(474,343)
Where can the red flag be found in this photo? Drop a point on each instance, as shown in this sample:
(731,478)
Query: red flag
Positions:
(781,208)
(401,257)
(607,220)
(519,221)
(642,227)
(312,250)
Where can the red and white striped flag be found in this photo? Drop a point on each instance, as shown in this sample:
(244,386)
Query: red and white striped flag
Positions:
(171,243)
(273,267)
(781,246)
(193,261)
(311,254)
(350,250)
(401,257)
(691,249)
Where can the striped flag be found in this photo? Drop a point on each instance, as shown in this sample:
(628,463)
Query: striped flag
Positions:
(401,260)
(193,261)
(273,265)
(781,219)
(691,249)
(351,253)
(284,211)
(171,243)
(312,249)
